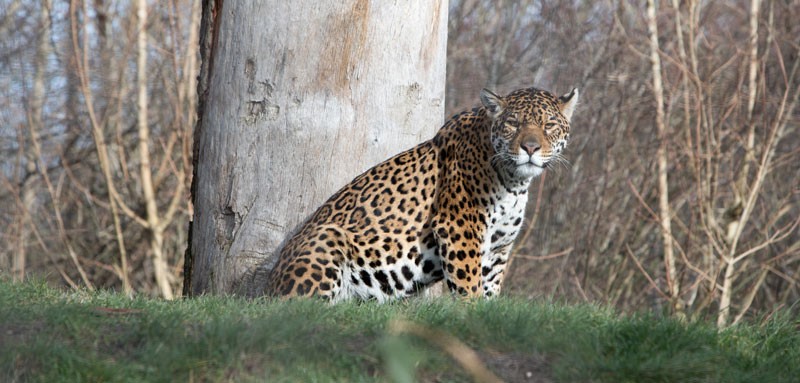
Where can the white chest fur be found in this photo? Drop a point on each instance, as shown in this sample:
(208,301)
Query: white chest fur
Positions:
(505,219)
(504,222)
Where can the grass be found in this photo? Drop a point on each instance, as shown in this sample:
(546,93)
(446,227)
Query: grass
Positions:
(48,335)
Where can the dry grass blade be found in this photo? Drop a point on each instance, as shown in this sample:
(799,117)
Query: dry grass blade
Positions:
(460,352)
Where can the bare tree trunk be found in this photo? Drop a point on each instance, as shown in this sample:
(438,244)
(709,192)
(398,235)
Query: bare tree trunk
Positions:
(109,69)
(35,124)
(189,82)
(56,205)
(752,76)
(154,224)
(673,283)
(300,98)
(740,187)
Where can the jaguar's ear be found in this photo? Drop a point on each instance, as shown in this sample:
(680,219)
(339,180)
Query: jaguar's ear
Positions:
(568,102)
(493,103)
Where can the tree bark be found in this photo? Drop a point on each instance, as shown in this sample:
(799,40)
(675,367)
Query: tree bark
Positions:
(299,98)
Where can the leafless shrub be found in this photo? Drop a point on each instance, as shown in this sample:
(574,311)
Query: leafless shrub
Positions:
(78,203)
(729,88)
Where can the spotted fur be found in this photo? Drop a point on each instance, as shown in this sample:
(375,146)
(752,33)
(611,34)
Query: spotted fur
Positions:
(449,208)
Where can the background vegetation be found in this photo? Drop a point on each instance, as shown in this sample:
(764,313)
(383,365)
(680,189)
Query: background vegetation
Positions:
(682,195)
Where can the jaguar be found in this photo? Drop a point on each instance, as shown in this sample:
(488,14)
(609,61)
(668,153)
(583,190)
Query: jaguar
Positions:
(448,209)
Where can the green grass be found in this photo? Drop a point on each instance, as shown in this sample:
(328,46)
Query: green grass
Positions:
(51,336)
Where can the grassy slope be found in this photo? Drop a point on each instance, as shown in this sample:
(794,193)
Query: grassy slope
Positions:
(49,336)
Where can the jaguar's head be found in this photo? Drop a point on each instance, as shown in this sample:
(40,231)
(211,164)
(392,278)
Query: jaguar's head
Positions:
(529,128)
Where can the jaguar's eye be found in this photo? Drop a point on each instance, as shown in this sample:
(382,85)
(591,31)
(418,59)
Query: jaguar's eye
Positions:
(512,124)
(549,126)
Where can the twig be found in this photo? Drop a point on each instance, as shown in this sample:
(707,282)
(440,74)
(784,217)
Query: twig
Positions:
(646,275)
(577,282)
(777,237)
(546,257)
(748,300)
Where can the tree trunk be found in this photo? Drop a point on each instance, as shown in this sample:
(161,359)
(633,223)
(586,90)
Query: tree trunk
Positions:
(296,99)
(665,215)
(160,266)
(35,125)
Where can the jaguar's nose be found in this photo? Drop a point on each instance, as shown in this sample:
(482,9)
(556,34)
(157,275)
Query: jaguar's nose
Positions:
(530,146)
